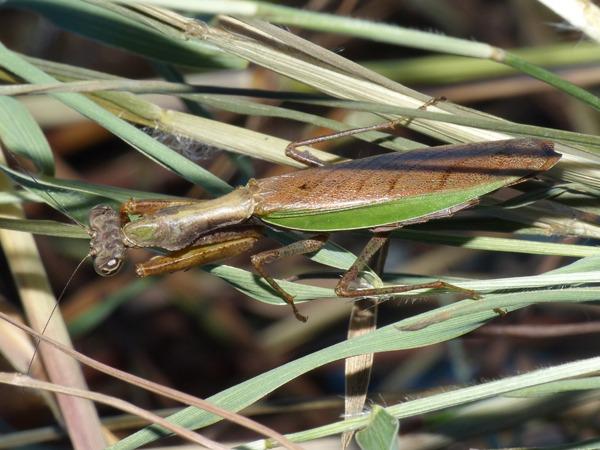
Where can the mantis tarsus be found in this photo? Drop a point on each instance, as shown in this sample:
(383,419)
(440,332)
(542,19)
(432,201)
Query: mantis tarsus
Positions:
(380,193)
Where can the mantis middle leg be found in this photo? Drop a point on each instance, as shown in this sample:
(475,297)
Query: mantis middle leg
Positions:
(295,248)
(343,287)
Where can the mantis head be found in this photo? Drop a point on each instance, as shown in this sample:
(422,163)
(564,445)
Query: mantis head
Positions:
(106,244)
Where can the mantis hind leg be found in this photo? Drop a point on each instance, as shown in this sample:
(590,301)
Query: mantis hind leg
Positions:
(296,248)
(210,248)
(307,158)
(343,288)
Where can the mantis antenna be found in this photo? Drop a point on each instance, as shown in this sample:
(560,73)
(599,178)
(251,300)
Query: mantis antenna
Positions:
(106,247)
(54,308)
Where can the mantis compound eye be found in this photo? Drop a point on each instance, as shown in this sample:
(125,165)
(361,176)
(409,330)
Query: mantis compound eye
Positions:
(108,268)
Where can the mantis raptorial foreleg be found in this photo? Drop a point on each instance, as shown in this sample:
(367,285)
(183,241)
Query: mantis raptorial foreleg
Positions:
(217,245)
(210,248)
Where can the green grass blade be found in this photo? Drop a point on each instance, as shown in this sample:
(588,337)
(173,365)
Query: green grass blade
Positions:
(482,122)
(118,30)
(417,39)
(21,134)
(253,286)
(44,227)
(381,433)
(453,398)
(548,77)
(578,384)
(425,329)
(74,198)
(530,246)
(582,272)
(130,134)
(444,69)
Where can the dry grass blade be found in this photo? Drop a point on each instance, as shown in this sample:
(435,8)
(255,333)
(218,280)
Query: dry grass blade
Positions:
(17,379)
(278,50)
(282,52)
(229,137)
(349,83)
(540,220)
(583,15)
(80,416)
(16,346)
(357,369)
(158,388)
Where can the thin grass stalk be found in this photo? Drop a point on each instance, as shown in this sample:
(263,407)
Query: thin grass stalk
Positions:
(80,416)
(583,15)
(458,396)
(20,380)
(154,387)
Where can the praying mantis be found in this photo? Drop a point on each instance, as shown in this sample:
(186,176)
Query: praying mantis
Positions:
(379,193)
